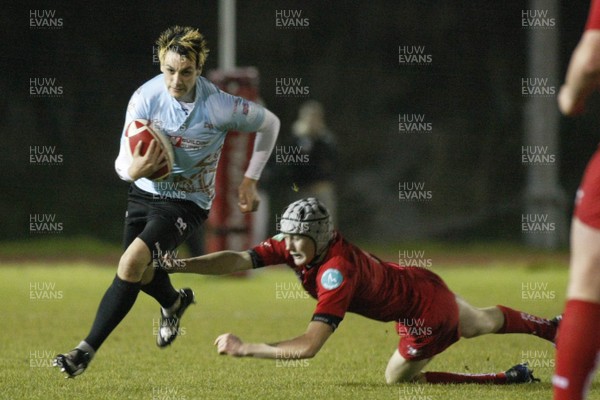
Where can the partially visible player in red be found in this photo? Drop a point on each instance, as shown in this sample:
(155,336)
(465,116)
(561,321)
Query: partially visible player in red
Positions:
(578,347)
(343,278)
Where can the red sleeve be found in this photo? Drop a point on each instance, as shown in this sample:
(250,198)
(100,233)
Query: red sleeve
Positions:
(272,252)
(335,288)
(593,21)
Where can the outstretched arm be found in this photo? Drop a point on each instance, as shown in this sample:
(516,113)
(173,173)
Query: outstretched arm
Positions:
(306,345)
(219,263)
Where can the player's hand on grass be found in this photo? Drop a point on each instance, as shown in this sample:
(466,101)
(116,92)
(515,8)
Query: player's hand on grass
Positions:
(248,200)
(145,165)
(229,344)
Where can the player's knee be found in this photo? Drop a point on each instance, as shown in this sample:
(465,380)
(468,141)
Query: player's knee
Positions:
(131,268)
(401,374)
(391,375)
(392,378)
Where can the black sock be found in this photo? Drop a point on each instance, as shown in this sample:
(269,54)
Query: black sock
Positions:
(116,303)
(161,289)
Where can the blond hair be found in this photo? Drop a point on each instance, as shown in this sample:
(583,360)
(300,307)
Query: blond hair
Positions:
(185,41)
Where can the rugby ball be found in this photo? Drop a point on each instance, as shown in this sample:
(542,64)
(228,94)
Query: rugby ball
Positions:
(139,130)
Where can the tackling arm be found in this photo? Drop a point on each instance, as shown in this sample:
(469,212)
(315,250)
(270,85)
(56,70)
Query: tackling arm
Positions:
(306,345)
(219,263)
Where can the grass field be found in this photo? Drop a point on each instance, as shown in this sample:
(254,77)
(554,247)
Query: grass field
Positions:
(48,309)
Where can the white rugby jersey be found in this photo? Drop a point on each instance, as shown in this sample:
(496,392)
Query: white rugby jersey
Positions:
(197,136)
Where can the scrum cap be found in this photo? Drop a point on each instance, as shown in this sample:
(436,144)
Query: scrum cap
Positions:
(308,217)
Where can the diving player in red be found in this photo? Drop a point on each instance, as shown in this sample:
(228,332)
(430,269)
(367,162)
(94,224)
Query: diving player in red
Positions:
(343,278)
(578,347)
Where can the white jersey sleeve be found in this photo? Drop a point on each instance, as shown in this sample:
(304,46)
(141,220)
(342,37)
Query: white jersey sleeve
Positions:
(266,136)
(233,113)
(123,162)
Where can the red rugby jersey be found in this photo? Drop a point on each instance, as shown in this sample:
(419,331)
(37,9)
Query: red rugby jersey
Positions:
(350,279)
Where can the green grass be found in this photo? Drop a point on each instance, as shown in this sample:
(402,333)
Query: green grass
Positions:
(59,246)
(350,366)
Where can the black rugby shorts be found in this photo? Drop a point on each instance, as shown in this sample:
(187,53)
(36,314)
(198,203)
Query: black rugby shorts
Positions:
(162,223)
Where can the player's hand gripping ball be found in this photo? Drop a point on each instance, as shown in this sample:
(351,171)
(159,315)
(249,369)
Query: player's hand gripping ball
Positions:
(139,130)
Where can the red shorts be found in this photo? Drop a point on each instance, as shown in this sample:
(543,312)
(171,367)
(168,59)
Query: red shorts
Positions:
(587,201)
(435,329)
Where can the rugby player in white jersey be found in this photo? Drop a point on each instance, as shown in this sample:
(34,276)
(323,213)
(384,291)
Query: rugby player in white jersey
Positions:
(196,117)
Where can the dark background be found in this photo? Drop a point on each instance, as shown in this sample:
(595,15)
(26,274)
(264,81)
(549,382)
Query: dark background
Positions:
(348,56)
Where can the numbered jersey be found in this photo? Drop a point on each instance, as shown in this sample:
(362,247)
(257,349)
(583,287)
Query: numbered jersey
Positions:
(350,279)
(197,135)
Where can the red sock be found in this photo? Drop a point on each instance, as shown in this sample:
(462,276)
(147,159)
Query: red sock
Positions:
(521,322)
(448,377)
(577,350)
